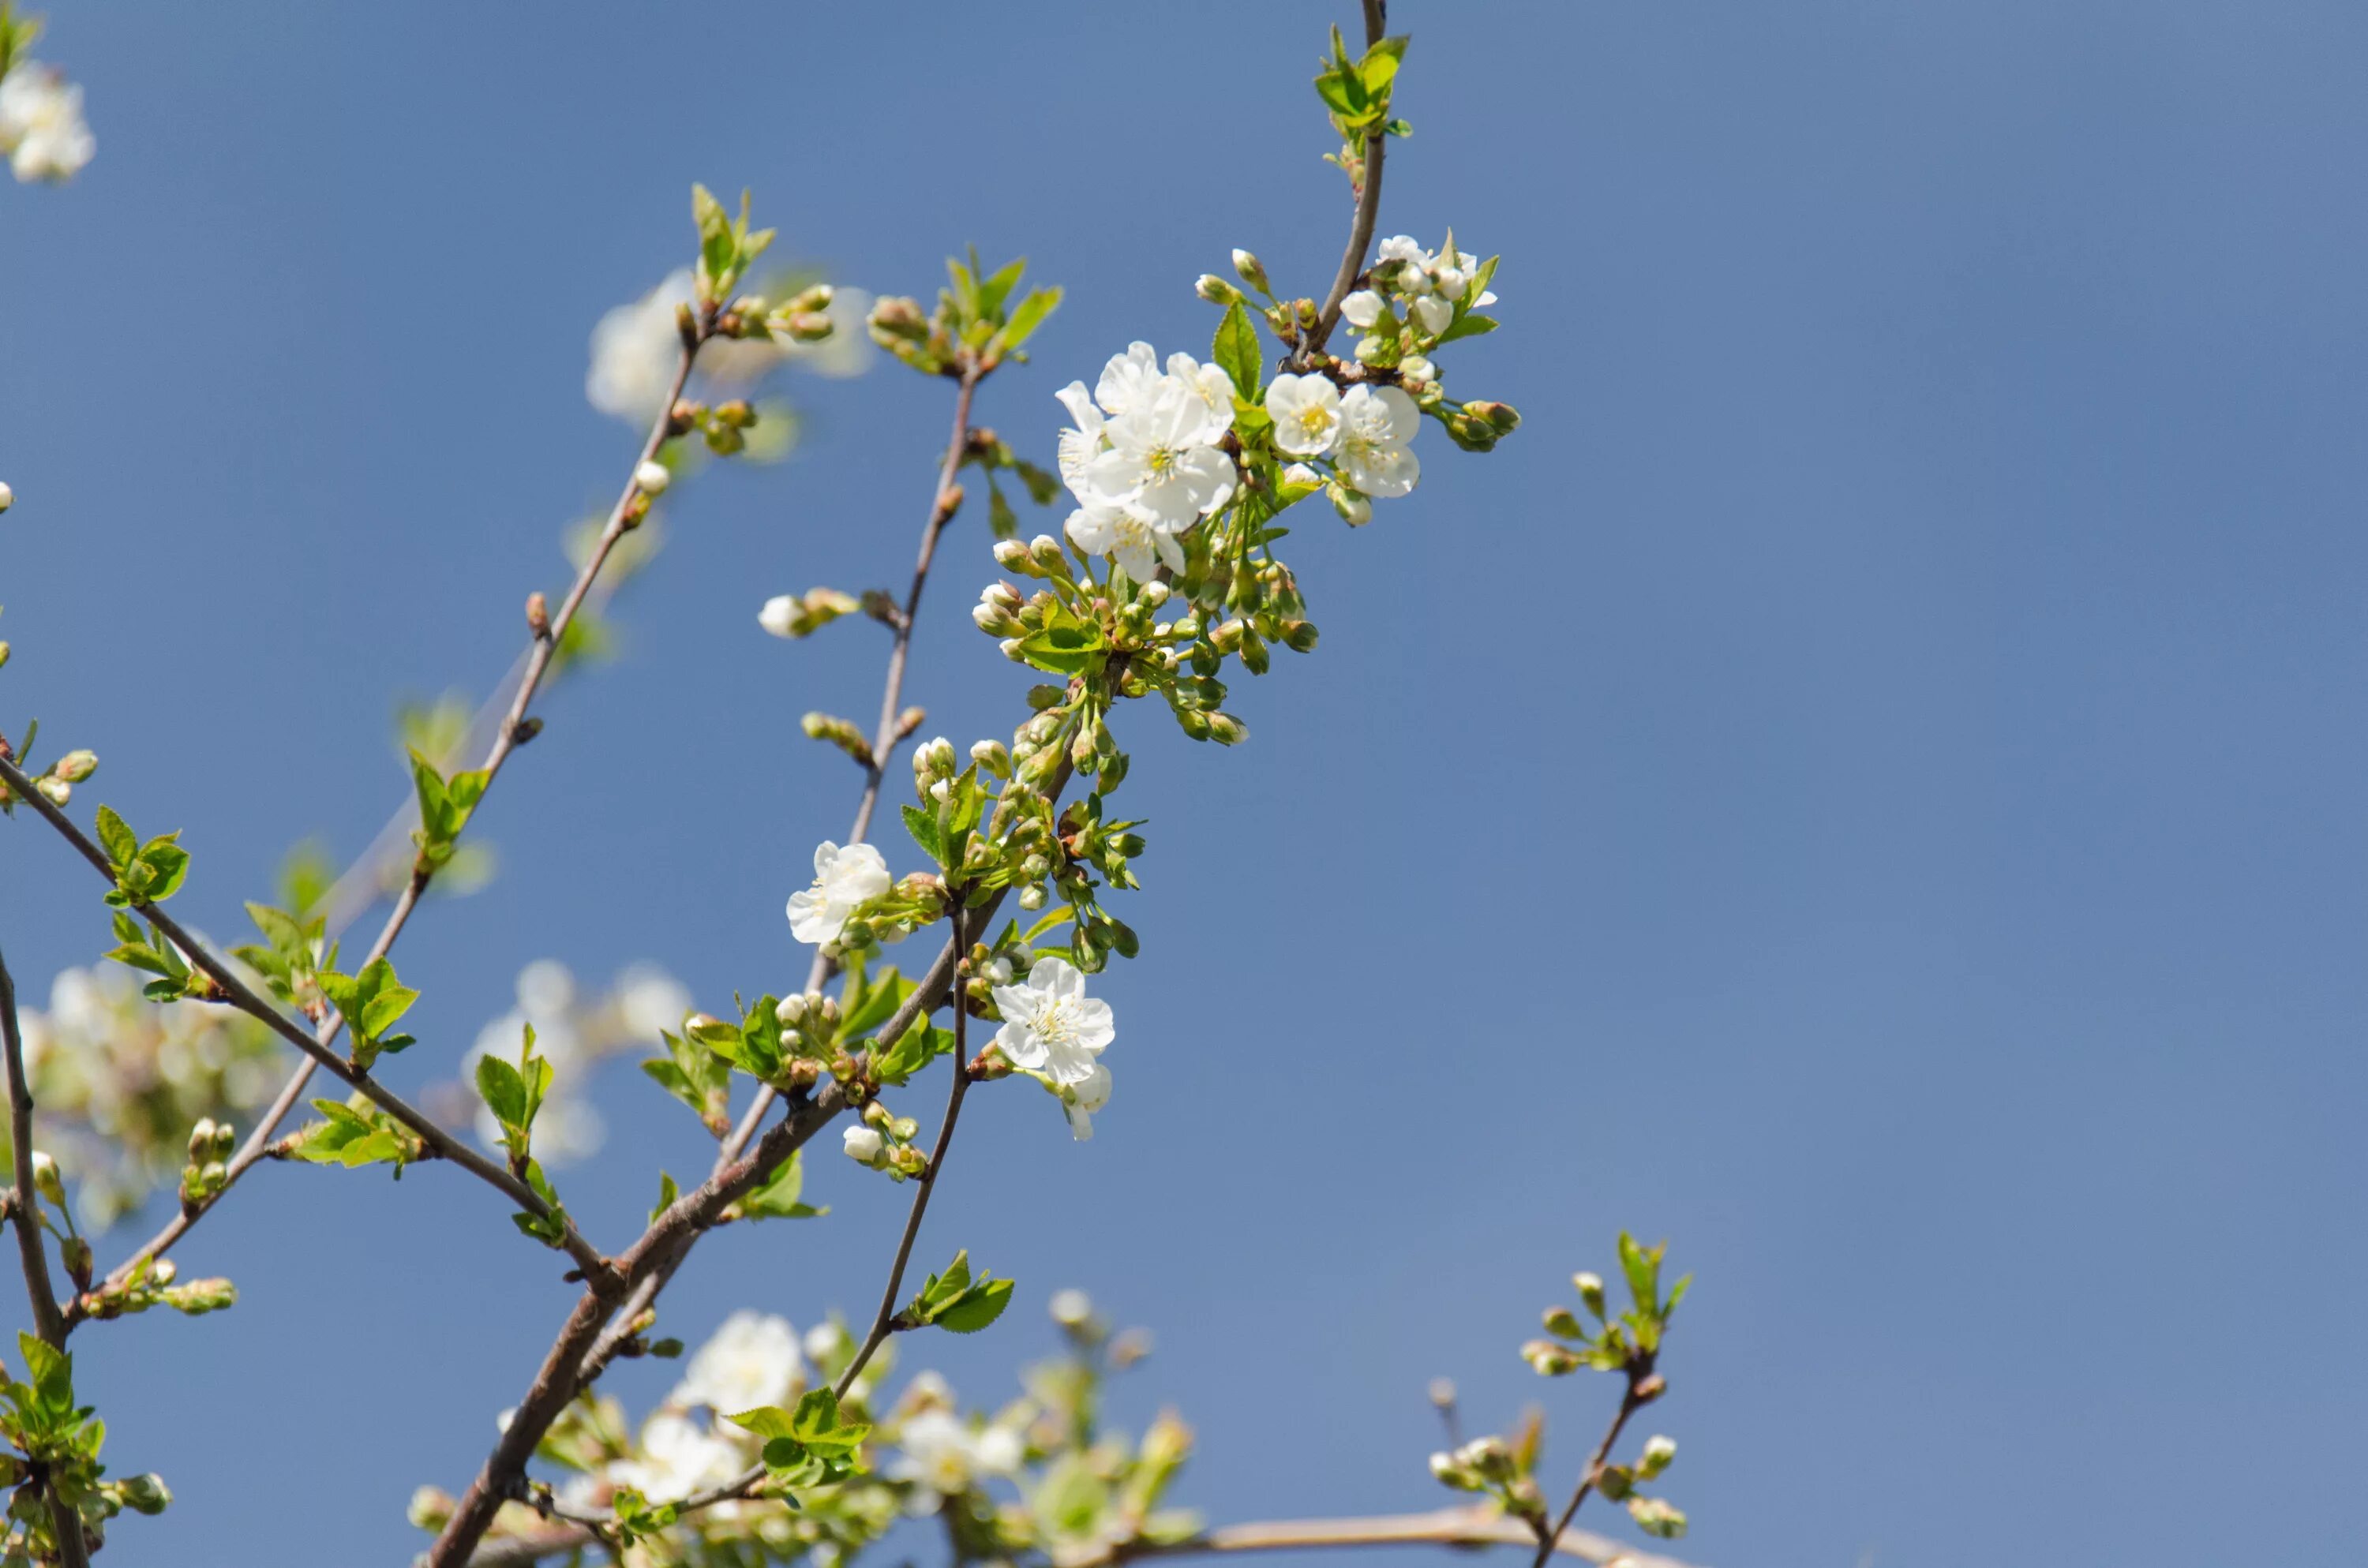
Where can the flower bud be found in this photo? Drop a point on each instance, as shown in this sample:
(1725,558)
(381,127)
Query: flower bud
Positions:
(899,317)
(1591,1291)
(781,615)
(1548,1359)
(45,1179)
(1299,636)
(1013,651)
(1362,309)
(162,1272)
(863,1144)
(57,791)
(1564,1324)
(7,497)
(201,1139)
(1414,367)
(538,616)
(1013,555)
(1500,417)
(201,1296)
(993,756)
(1216,291)
(1658,1452)
(1616,1481)
(1031,897)
(1045,551)
(144,1493)
(1442,1393)
(1656,1516)
(74,767)
(1226,730)
(1488,1457)
(1354,509)
(4,655)
(653,477)
(1251,271)
(1227,637)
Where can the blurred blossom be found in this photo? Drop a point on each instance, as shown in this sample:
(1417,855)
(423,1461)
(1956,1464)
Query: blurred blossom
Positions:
(42,127)
(635,348)
(574,1032)
(121,1080)
(752,1361)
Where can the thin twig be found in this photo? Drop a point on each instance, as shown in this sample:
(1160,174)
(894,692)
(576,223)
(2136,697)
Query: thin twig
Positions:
(1631,1402)
(1446,1526)
(445,1146)
(49,1322)
(1368,208)
(534,664)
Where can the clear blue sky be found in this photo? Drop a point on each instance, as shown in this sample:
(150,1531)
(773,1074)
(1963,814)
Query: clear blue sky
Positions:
(1866,784)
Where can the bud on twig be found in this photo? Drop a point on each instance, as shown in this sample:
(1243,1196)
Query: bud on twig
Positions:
(1251,271)
(538,616)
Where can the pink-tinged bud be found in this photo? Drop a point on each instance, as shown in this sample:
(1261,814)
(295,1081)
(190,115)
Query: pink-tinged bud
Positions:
(75,766)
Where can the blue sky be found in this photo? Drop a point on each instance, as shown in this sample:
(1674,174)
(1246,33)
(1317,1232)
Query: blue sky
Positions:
(1864,785)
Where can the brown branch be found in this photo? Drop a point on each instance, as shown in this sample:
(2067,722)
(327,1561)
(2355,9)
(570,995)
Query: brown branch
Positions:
(49,1322)
(1446,1526)
(237,992)
(1369,209)
(535,663)
(1631,1401)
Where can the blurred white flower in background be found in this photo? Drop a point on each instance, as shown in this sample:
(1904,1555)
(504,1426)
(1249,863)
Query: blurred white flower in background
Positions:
(574,1033)
(635,348)
(751,1361)
(677,1458)
(42,127)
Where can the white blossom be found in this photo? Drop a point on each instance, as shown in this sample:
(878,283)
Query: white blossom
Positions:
(1085,1097)
(1099,528)
(781,613)
(843,879)
(653,477)
(1433,313)
(1162,465)
(1070,1306)
(636,349)
(751,1361)
(42,127)
(863,1143)
(1377,426)
(677,1458)
(940,1451)
(1363,307)
(1307,414)
(1141,456)
(1051,1025)
(825,1341)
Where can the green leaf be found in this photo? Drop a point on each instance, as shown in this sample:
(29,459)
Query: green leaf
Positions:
(504,1091)
(168,867)
(923,826)
(1029,315)
(116,838)
(777,1198)
(976,1307)
(996,290)
(1237,351)
(1470,324)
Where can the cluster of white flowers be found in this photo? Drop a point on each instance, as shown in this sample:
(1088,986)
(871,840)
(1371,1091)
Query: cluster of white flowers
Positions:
(685,1446)
(635,348)
(572,1032)
(844,878)
(1051,1028)
(42,127)
(1420,292)
(941,1453)
(751,1361)
(1143,457)
(1366,436)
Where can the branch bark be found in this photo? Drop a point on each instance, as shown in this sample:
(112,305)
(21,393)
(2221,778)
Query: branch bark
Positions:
(1368,208)
(49,1322)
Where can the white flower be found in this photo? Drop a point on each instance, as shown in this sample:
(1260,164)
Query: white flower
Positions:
(843,879)
(1051,1025)
(636,349)
(1099,528)
(1088,1096)
(1081,444)
(1306,413)
(939,1450)
(1433,313)
(825,1341)
(7,497)
(1376,425)
(678,1457)
(1070,1306)
(1128,379)
(1363,307)
(1417,262)
(863,1143)
(650,1001)
(1210,385)
(1414,367)
(40,124)
(751,1361)
(1160,464)
(653,477)
(781,613)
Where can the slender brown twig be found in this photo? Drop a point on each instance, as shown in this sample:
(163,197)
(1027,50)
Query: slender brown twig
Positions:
(535,665)
(234,990)
(1368,208)
(1631,1402)
(49,1321)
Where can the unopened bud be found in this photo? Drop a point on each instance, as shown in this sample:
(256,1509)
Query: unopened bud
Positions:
(1591,1291)
(75,766)
(1501,418)
(57,791)
(653,477)
(7,497)
(162,1272)
(1251,270)
(790,1010)
(899,316)
(1616,1481)
(993,756)
(201,1139)
(863,1144)
(1216,291)
(1563,1323)
(1031,897)
(1548,1359)
(1045,551)
(1354,509)
(1657,1516)
(538,616)
(45,1179)
(1226,730)
(144,1493)
(1299,636)
(201,1296)
(1014,556)
(1442,1392)
(1658,1452)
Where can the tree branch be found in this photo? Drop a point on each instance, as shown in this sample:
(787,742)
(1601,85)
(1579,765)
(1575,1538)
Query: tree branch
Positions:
(444,1145)
(1631,1402)
(48,1322)
(1369,209)
(534,664)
